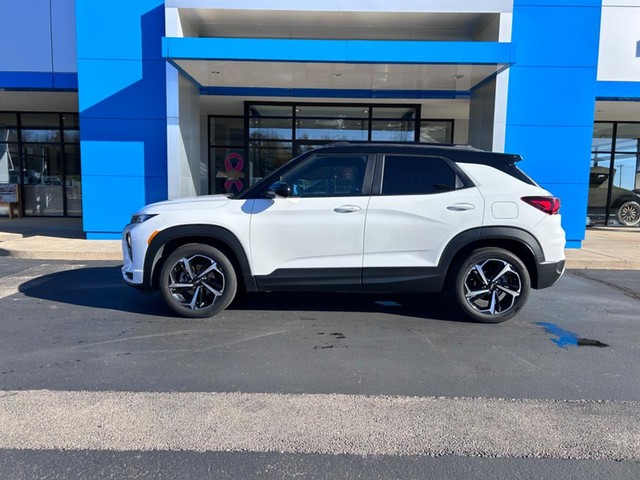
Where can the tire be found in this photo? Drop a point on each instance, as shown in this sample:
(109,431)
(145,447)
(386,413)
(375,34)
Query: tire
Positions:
(499,278)
(628,213)
(198,281)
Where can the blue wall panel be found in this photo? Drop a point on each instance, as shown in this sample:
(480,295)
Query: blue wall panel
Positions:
(337,51)
(551,166)
(552,96)
(552,90)
(122,81)
(120,29)
(618,91)
(576,47)
(25,36)
(38,40)
(131,89)
(63,34)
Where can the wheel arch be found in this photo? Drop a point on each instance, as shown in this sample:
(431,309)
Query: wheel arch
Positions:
(625,198)
(519,242)
(171,238)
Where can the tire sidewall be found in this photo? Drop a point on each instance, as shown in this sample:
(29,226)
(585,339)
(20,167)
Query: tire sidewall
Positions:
(619,213)
(479,256)
(230,278)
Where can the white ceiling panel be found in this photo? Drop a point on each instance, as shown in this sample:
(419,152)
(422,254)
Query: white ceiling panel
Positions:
(336,76)
(337,24)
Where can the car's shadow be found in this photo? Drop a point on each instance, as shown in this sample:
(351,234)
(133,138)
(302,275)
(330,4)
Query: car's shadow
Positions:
(103,288)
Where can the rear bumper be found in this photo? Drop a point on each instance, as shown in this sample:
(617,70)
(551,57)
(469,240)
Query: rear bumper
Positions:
(549,273)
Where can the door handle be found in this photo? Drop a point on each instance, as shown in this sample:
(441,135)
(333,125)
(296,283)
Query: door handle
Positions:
(460,207)
(347,209)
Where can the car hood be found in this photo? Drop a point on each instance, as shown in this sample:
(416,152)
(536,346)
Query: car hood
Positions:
(190,203)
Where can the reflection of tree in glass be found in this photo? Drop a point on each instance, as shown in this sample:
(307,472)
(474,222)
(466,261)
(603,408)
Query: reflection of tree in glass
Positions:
(40,136)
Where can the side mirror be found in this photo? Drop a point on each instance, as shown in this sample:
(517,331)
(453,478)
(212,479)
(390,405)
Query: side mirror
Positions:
(281,189)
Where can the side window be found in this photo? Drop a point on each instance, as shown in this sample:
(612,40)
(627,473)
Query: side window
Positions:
(327,176)
(412,175)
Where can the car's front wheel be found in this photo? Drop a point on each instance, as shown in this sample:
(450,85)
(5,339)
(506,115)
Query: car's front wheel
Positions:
(198,281)
(491,285)
(629,213)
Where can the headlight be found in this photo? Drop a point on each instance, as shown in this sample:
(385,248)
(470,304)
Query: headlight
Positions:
(142,217)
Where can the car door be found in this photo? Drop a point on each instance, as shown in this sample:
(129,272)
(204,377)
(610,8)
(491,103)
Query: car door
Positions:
(314,236)
(419,204)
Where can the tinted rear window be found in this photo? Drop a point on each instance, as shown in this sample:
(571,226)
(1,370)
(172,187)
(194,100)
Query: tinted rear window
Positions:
(416,175)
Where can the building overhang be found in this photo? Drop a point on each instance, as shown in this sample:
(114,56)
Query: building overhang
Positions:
(357,68)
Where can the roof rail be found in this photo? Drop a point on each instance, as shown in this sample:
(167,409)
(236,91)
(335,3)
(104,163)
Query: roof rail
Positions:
(343,143)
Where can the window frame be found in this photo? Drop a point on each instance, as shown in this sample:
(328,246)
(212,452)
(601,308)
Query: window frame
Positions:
(321,157)
(462,179)
(260,189)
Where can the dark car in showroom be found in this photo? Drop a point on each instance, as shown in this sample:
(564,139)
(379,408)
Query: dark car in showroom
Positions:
(624,205)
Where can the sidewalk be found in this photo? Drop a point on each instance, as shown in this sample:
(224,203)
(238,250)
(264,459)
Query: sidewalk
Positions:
(62,239)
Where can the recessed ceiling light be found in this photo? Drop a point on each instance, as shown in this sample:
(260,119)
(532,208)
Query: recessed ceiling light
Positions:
(457,76)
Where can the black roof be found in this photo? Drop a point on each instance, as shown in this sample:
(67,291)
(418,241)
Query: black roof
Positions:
(461,153)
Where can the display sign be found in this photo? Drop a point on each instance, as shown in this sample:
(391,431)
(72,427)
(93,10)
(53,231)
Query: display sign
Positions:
(619,58)
(8,193)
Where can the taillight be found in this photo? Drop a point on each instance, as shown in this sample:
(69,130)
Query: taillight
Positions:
(549,205)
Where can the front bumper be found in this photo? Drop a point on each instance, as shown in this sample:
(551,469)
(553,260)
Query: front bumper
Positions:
(549,274)
(132,272)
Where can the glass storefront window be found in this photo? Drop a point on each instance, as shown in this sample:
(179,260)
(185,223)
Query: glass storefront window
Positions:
(8,127)
(279,132)
(271,128)
(402,113)
(227,170)
(436,131)
(72,136)
(602,137)
(70,120)
(393,131)
(320,111)
(598,187)
(331,129)
(628,137)
(42,180)
(44,163)
(73,180)
(226,131)
(265,157)
(257,111)
(9,163)
(625,169)
(614,180)
(41,135)
(40,120)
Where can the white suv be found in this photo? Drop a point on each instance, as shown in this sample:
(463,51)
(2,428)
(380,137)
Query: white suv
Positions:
(358,217)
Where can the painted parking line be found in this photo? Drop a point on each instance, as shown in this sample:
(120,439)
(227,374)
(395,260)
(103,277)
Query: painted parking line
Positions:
(329,424)
(31,277)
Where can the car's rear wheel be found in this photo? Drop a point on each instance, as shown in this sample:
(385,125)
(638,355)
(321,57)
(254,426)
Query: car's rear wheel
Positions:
(198,281)
(491,285)
(629,213)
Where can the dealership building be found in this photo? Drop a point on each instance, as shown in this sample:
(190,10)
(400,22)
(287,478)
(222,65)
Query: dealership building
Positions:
(108,106)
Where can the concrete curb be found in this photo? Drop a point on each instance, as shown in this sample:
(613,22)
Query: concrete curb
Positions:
(578,264)
(53,255)
(51,248)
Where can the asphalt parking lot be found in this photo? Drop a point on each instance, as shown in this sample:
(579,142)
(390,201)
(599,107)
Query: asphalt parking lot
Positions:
(74,327)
